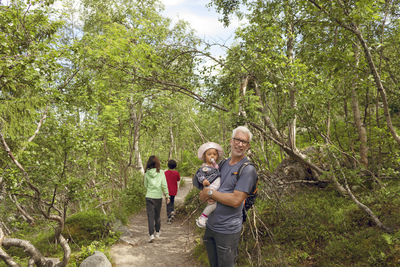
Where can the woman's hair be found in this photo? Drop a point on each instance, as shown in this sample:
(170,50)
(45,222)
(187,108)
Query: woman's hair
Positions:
(153,162)
(244,130)
(171,164)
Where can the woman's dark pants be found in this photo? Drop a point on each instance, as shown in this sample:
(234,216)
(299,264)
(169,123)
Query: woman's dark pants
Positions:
(153,208)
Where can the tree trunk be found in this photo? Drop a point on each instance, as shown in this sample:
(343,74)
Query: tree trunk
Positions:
(362,133)
(378,83)
(172,141)
(136,120)
(242,94)
(328,123)
(352,27)
(292,89)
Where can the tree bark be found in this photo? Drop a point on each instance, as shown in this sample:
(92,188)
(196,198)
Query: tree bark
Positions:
(378,83)
(328,122)
(135,110)
(292,89)
(172,141)
(362,133)
(242,94)
(26,216)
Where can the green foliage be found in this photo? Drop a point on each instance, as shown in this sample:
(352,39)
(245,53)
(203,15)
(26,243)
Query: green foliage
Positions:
(127,70)
(189,164)
(191,203)
(199,253)
(88,250)
(41,235)
(130,200)
(320,227)
(84,227)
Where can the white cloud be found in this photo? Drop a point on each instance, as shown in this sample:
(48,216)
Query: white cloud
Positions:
(204,25)
(203,20)
(172,2)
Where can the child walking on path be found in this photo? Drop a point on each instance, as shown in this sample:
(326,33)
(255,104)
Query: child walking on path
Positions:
(156,185)
(208,176)
(173,178)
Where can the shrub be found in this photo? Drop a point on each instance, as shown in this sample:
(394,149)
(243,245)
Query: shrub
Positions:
(84,227)
(188,164)
(130,200)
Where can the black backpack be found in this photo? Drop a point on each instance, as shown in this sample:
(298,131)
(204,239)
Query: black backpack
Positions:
(251,198)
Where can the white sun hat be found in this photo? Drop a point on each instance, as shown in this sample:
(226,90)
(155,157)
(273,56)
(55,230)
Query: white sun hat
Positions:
(206,146)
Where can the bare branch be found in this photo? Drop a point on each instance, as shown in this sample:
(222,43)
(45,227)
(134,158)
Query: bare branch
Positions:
(67,251)
(294,154)
(28,218)
(103,203)
(3,255)
(10,154)
(37,128)
(355,200)
(300,182)
(170,86)
(195,51)
(197,128)
(31,250)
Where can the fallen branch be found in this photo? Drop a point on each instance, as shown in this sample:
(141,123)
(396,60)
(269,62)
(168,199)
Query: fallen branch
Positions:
(295,155)
(302,182)
(103,203)
(191,214)
(359,204)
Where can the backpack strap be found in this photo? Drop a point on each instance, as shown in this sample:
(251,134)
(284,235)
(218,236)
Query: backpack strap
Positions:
(240,170)
(222,162)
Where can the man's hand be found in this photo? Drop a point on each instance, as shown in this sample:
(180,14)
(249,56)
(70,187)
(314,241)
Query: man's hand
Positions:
(204,194)
(168,200)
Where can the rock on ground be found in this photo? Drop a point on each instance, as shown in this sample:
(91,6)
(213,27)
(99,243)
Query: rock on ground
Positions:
(98,259)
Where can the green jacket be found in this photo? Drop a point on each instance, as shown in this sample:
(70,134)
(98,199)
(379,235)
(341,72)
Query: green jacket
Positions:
(155,184)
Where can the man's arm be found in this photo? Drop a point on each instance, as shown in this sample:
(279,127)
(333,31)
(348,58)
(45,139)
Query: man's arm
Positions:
(234,199)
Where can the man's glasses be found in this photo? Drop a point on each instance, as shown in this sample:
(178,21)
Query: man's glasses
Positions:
(237,141)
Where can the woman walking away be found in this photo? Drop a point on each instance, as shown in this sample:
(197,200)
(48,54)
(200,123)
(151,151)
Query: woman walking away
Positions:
(156,185)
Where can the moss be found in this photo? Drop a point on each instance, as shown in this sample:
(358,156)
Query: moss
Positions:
(84,227)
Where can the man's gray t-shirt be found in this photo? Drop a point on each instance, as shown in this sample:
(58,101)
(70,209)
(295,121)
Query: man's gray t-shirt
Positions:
(226,219)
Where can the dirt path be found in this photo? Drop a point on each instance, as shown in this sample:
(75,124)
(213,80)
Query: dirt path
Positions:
(173,248)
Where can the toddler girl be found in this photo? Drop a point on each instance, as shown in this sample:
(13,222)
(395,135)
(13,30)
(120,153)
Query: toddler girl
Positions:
(208,175)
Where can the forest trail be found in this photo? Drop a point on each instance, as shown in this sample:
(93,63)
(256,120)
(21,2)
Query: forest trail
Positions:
(173,248)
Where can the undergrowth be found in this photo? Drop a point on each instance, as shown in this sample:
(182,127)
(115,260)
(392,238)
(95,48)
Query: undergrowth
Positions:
(317,227)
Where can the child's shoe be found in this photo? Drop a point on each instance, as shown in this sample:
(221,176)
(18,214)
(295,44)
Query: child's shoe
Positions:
(201,221)
(157,235)
(169,221)
(151,239)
